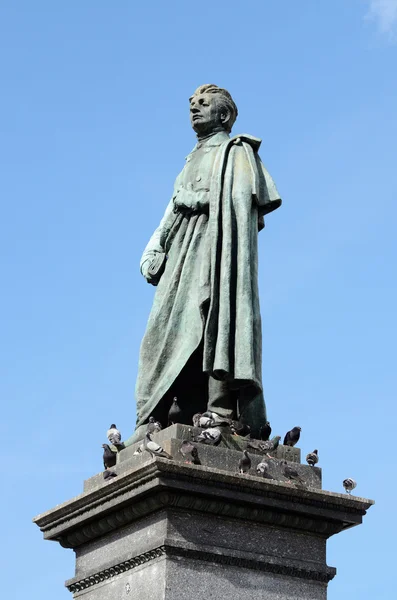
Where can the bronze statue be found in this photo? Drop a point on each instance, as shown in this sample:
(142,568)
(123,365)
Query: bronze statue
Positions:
(203,342)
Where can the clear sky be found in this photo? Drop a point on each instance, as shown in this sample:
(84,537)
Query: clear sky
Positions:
(94,128)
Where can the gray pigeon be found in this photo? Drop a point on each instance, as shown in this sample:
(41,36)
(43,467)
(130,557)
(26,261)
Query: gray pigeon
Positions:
(292,474)
(153,425)
(239,428)
(244,464)
(109,475)
(189,451)
(312,458)
(196,419)
(292,437)
(257,445)
(210,436)
(114,435)
(262,470)
(349,484)
(109,457)
(205,422)
(266,447)
(175,412)
(155,449)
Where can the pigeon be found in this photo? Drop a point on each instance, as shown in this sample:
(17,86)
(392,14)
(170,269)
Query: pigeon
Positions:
(107,474)
(268,446)
(349,484)
(244,464)
(262,470)
(187,449)
(210,436)
(292,474)
(114,435)
(205,422)
(175,412)
(239,428)
(155,449)
(196,419)
(109,457)
(153,425)
(312,458)
(265,431)
(257,445)
(292,437)
(195,456)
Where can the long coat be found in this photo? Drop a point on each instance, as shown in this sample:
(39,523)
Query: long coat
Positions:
(208,295)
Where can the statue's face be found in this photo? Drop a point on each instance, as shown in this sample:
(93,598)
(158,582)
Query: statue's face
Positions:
(205,113)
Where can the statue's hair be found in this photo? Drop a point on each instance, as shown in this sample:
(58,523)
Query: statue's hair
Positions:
(225,101)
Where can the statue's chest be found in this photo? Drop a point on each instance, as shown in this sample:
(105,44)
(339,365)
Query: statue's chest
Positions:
(197,172)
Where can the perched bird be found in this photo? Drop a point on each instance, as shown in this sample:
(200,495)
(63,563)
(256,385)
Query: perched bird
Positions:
(210,436)
(114,435)
(244,464)
(196,419)
(239,428)
(292,474)
(257,445)
(265,431)
(189,451)
(205,422)
(292,437)
(109,475)
(153,448)
(312,458)
(175,412)
(109,457)
(195,456)
(349,484)
(262,470)
(153,425)
(269,445)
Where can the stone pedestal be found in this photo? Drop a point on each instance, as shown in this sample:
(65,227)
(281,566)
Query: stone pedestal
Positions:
(167,530)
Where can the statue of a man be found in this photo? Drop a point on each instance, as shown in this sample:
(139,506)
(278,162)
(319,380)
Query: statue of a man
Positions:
(203,341)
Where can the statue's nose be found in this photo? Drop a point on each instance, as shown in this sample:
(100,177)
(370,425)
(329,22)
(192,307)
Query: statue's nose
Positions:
(194,110)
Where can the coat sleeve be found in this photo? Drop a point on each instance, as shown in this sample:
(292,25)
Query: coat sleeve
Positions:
(156,242)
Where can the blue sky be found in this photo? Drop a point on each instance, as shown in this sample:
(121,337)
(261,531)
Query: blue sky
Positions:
(94,128)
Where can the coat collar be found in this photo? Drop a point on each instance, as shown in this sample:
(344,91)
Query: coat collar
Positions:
(214,140)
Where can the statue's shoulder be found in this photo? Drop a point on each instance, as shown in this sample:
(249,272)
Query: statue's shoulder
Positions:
(254,142)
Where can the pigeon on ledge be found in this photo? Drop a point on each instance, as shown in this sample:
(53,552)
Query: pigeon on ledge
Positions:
(312,458)
(114,435)
(292,474)
(153,425)
(210,436)
(155,449)
(175,412)
(262,470)
(292,437)
(265,431)
(189,451)
(109,457)
(244,464)
(349,484)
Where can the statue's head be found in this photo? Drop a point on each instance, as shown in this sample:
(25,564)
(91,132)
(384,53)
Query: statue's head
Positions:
(212,108)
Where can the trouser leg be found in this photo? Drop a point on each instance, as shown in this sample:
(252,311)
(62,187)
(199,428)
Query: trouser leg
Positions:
(220,398)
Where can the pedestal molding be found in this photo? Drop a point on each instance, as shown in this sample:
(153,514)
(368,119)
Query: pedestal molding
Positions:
(221,556)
